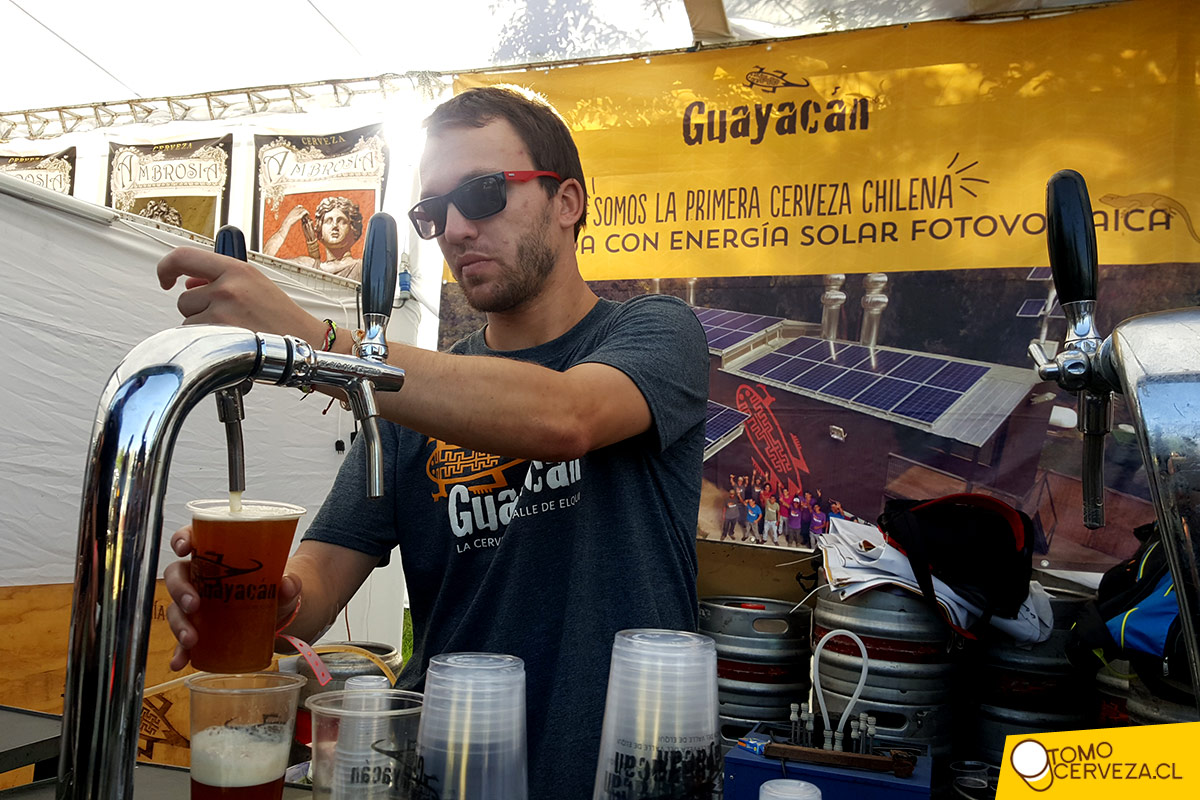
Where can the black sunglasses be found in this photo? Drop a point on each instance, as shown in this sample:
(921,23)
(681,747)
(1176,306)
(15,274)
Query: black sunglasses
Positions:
(475,199)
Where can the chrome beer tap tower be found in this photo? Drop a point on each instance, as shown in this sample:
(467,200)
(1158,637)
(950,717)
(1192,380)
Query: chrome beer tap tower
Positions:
(1153,360)
(137,421)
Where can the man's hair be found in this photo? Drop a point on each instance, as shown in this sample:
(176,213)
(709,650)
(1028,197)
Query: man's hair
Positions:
(541,129)
(347,207)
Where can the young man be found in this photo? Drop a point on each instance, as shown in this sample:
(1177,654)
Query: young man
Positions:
(771,517)
(753,515)
(562,404)
(733,507)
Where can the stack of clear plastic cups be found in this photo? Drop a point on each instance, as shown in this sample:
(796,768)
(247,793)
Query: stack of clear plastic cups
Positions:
(364,741)
(471,745)
(354,757)
(788,789)
(661,735)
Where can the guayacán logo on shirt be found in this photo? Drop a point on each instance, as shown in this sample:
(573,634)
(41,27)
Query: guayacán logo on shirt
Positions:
(485,493)
(479,472)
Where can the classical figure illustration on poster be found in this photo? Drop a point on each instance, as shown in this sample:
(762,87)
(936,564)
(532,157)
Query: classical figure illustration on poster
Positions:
(181,183)
(53,171)
(314,195)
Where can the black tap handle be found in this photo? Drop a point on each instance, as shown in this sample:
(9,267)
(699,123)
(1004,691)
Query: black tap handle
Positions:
(379,270)
(231,242)
(1071,237)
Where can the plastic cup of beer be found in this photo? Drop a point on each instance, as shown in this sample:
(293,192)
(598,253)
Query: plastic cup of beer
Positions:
(237,562)
(241,734)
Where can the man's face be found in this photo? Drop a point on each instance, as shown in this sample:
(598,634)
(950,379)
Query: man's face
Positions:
(502,261)
(335,228)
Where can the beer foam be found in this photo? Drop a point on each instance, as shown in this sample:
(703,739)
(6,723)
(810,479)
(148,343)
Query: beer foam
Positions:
(220,511)
(240,756)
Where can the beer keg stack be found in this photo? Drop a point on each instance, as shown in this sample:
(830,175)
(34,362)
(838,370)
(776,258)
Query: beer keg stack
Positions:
(763,655)
(1146,708)
(1032,688)
(911,671)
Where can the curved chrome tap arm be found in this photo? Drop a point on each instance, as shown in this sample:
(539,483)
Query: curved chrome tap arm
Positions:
(120,526)
(1156,358)
(137,422)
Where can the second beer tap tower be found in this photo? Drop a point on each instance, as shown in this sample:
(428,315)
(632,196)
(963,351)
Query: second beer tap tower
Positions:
(138,419)
(1153,361)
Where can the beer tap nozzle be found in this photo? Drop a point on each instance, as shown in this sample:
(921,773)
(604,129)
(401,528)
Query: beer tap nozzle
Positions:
(379,274)
(231,242)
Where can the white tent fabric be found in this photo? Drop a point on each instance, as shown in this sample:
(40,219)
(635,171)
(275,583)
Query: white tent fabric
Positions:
(68,52)
(78,293)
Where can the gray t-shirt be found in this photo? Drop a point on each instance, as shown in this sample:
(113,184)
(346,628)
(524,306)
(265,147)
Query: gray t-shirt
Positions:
(547,561)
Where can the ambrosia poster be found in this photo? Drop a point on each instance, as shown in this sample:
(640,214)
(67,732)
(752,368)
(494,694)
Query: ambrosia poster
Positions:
(182,183)
(53,171)
(904,148)
(314,195)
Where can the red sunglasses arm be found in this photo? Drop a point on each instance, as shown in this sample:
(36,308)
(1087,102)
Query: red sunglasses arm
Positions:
(523,175)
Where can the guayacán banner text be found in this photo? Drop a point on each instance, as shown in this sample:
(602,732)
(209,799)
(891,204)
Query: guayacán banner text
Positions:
(914,147)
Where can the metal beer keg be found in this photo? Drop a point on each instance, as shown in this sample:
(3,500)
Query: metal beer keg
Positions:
(346,665)
(1112,689)
(1034,688)
(910,679)
(1148,709)
(762,655)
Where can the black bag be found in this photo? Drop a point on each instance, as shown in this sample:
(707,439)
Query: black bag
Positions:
(979,546)
(1136,617)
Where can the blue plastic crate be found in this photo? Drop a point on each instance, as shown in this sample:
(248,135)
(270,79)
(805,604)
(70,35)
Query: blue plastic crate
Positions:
(745,772)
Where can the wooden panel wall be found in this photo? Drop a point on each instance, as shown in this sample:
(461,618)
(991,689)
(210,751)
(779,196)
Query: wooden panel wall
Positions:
(35,624)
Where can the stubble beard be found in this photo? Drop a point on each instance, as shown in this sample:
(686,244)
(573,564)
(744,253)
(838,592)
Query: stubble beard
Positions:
(520,284)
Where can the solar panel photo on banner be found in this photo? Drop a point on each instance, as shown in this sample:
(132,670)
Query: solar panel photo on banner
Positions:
(720,421)
(911,385)
(725,329)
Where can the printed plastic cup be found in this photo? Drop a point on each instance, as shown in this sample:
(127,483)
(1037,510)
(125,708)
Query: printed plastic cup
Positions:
(241,734)
(969,769)
(364,743)
(788,789)
(472,740)
(661,736)
(236,567)
(971,786)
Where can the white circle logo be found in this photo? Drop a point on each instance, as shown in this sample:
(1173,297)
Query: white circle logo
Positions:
(1031,761)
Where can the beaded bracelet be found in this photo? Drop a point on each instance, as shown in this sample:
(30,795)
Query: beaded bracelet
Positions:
(330,338)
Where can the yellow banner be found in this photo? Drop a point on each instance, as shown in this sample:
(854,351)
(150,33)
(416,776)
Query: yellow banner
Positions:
(1156,761)
(916,147)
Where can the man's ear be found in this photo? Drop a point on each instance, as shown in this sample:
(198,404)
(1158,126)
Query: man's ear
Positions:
(570,203)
